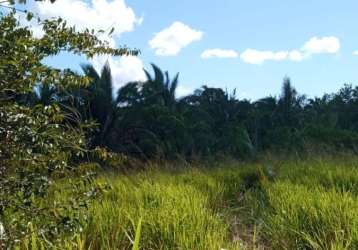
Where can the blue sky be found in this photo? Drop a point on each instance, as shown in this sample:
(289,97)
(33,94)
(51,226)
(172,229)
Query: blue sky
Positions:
(311,41)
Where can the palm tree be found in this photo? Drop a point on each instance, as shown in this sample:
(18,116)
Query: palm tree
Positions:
(288,98)
(289,105)
(160,86)
(102,104)
(262,119)
(149,120)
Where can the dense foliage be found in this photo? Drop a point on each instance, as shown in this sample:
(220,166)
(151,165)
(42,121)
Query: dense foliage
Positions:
(40,142)
(146,120)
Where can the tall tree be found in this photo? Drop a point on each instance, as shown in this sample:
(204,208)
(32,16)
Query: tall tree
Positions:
(102,104)
(287,101)
(159,88)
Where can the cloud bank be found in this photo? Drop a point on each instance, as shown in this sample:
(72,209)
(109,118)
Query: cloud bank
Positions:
(315,45)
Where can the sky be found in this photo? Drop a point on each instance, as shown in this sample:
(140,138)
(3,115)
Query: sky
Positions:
(246,45)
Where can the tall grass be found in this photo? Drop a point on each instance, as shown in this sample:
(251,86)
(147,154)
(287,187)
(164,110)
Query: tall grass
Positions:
(311,205)
(303,204)
(300,217)
(176,211)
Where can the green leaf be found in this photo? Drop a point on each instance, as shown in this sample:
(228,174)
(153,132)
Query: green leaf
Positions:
(137,235)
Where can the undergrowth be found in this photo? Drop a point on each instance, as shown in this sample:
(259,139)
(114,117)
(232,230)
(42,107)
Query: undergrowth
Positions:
(271,204)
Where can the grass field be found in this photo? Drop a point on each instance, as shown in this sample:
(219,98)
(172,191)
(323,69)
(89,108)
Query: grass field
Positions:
(272,204)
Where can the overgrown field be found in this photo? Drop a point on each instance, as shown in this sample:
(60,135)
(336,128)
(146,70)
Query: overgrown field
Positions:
(272,204)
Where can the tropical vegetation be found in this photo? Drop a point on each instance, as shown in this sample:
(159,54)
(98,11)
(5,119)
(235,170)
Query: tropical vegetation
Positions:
(84,167)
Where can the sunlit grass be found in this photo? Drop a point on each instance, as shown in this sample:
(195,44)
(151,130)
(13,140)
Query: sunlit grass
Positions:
(305,204)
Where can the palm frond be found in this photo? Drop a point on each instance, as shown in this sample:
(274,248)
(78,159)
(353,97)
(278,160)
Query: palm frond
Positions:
(158,74)
(174,84)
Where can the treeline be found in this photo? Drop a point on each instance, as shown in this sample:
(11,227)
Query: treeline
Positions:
(146,120)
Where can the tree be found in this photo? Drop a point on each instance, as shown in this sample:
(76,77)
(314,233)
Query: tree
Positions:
(215,121)
(287,101)
(261,121)
(160,89)
(102,104)
(149,124)
(35,138)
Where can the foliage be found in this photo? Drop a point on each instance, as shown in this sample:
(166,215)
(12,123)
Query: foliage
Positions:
(40,139)
(147,120)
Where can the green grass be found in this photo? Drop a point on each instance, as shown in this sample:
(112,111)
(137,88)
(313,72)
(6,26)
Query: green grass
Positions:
(309,204)
(178,211)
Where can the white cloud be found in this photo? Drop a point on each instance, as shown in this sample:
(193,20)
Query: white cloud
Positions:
(253,56)
(296,56)
(323,45)
(124,70)
(355,53)
(182,91)
(220,53)
(170,41)
(279,56)
(96,14)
